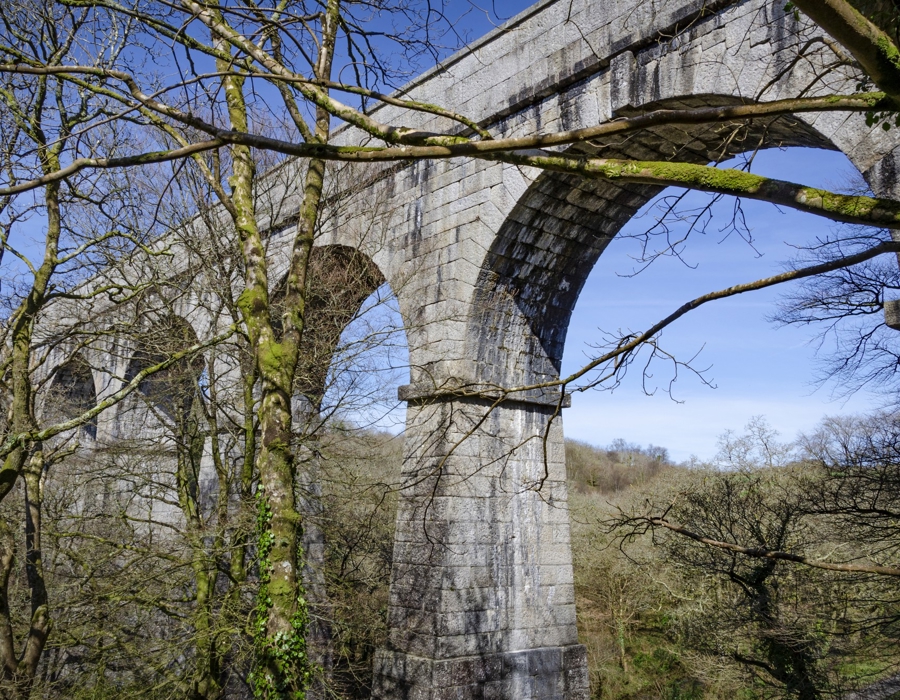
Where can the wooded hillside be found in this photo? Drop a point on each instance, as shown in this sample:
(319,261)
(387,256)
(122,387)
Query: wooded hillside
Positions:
(667,617)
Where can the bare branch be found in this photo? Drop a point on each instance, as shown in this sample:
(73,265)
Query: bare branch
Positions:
(762,553)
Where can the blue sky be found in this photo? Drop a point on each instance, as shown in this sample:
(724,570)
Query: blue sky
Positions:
(757,367)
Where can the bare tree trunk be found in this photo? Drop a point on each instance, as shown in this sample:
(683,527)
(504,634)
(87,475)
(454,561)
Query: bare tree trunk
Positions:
(7,645)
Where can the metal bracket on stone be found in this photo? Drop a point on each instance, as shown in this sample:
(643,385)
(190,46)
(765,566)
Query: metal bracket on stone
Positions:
(426,393)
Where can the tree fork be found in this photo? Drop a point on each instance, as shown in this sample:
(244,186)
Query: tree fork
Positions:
(279,629)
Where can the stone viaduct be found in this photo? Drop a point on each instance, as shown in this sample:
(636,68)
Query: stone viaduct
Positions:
(487,261)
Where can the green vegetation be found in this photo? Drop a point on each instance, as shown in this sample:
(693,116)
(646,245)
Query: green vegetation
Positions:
(663,616)
(666,616)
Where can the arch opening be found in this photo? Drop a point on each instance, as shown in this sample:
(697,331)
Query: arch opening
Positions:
(550,242)
(756,367)
(353,338)
(171,391)
(72,392)
(352,324)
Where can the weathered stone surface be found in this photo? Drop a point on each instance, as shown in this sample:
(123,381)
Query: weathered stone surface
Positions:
(548,673)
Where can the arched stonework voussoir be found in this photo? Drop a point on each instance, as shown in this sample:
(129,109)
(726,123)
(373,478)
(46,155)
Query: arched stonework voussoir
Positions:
(884,176)
(537,265)
(426,226)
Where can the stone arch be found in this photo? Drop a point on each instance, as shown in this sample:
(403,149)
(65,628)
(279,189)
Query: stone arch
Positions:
(171,391)
(543,252)
(72,391)
(340,278)
(164,421)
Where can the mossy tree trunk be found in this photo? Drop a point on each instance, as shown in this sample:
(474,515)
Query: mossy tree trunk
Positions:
(18,669)
(281,666)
